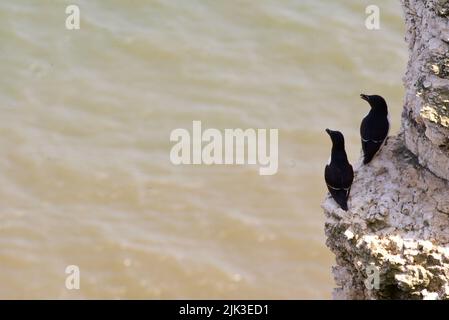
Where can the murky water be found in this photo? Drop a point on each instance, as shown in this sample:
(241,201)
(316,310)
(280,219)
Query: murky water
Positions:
(85,176)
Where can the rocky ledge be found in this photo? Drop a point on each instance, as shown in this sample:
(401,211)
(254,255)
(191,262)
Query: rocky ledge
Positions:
(397,228)
(398,223)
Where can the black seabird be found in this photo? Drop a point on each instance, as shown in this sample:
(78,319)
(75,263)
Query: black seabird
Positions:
(338,173)
(375,127)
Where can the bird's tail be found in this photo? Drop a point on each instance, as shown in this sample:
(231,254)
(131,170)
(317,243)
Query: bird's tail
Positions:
(344,205)
(341,197)
(367,159)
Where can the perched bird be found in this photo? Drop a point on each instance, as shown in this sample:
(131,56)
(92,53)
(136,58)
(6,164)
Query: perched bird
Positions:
(375,127)
(338,173)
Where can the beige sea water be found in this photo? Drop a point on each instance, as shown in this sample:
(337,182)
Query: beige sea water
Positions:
(86,115)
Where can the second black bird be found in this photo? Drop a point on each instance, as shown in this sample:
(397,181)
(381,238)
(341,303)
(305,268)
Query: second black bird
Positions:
(339,173)
(375,127)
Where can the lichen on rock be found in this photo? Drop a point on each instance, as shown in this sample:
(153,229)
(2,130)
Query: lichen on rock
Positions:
(442,7)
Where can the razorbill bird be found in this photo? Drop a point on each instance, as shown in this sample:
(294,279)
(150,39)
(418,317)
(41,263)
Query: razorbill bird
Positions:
(375,127)
(338,173)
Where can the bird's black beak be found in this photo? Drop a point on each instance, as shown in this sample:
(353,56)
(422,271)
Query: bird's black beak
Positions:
(364,97)
(329,132)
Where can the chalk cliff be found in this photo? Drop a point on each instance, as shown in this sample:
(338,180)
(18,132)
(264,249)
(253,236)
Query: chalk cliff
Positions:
(398,222)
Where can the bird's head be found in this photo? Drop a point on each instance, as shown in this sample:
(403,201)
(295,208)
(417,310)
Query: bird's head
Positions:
(338,140)
(376,102)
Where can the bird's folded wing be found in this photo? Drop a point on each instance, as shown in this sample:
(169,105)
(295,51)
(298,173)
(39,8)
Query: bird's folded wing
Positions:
(337,189)
(373,141)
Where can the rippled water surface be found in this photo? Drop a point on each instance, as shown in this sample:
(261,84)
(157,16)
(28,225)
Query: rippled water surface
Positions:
(85,176)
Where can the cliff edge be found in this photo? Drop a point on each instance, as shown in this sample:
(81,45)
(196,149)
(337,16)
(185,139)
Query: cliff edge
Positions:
(393,243)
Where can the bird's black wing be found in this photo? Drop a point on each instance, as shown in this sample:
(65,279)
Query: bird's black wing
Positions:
(338,183)
(337,178)
(348,178)
(374,130)
(332,174)
(373,134)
